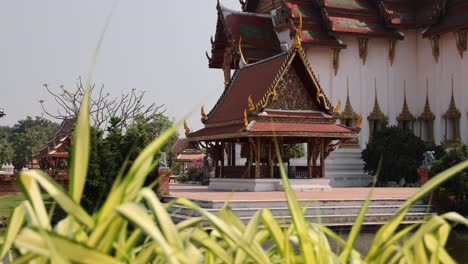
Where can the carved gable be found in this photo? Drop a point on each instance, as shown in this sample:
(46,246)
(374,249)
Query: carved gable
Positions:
(292,94)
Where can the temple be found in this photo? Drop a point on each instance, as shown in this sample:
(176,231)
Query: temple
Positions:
(394,62)
(268,107)
(53,157)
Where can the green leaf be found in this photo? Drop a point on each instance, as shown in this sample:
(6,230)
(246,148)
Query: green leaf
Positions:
(17,218)
(61,197)
(32,192)
(33,241)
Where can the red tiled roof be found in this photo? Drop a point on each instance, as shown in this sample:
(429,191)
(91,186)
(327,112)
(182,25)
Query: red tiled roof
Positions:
(259,40)
(454,19)
(357,17)
(298,127)
(188,157)
(313,32)
(274,129)
(180,145)
(251,80)
(56,147)
(299,115)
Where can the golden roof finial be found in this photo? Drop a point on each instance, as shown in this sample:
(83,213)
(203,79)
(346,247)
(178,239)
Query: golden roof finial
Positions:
(242,62)
(203,114)
(297,37)
(250,104)
(359,122)
(187,129)
(246,120)
(337,107)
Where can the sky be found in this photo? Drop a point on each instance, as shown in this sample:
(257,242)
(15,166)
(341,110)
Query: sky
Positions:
(153,46)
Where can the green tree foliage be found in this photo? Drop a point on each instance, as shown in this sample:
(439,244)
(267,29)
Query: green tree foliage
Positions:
(7,152)
(401,152)
(17,144)
(296,151)
(115,146)
(453,194)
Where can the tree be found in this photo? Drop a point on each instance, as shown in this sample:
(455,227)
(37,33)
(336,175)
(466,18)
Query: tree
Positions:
(453,194)
(102,106)
(20,142)
(401,153)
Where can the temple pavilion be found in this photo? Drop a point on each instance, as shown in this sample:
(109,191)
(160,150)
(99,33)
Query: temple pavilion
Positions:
(268,107)
(53,157)
(392,62)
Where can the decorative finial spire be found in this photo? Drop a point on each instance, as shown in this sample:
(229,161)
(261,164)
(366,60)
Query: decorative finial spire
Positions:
(203,114)
(337,107)
(187,129)
(348,112)
(246,120)
(405,114)
(359,122)
(376,101)
(297,37)
(242,62)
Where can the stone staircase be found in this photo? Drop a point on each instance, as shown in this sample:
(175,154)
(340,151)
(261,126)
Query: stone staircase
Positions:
(344,168)
(333,213)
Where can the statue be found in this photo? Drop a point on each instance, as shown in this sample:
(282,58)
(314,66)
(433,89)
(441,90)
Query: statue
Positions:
(428,159)
(163,160)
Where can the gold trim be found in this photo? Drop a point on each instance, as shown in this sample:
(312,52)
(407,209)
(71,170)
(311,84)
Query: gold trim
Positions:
(428,117)
(363,49)
(435,47)
(348,112)
(405,114)
(461,41)
(452,114)
(246,120)
(359,122)
(337,107)
(275,134)
(242,61)
(336,60)
(203,114)
(187,129)
(391,50)
(297,37)
(250,104)
(376,117)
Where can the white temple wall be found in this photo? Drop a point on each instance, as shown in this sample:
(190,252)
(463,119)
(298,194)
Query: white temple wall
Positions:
(413,63)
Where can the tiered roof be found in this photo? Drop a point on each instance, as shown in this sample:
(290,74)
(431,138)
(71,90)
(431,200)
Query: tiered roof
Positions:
(57,146)
(279,96)
(259,40)
(313,31)
(410,14)
(454,18)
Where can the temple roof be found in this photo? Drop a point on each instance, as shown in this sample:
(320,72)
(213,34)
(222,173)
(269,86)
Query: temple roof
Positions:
(355,17)
(313,31)
(276,96)
(259,40)
(455,18)
(410,14)
(57,146)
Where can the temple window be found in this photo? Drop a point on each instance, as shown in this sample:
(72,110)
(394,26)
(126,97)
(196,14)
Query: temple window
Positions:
(377,119)
(452,122)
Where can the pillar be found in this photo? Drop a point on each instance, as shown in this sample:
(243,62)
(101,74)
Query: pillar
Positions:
(257,159)
(322,158)
(309,159)
(221,146)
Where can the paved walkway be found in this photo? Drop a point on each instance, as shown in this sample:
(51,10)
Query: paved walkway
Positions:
(198,192)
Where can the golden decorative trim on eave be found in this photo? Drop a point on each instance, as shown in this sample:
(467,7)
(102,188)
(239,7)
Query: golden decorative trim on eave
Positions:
(337,107)
(363,50)
(391,50)
(297,36)
(359,122)
(336,60)
(405,114)
(435,47)
(461,41)
(246,120)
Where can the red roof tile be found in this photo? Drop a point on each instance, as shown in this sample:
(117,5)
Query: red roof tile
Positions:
(252,80)
(454,19)
(299,127)
(180,145)
(296,115)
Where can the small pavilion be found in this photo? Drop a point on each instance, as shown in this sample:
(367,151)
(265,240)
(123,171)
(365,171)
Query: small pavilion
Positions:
(53,157)
(267,108)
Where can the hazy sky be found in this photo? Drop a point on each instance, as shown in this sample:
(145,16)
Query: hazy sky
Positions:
(152,45)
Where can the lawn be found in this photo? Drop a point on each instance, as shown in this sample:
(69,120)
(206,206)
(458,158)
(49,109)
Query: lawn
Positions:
(9,202)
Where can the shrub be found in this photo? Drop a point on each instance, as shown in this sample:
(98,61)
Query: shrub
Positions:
(401,153)
(453,194)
